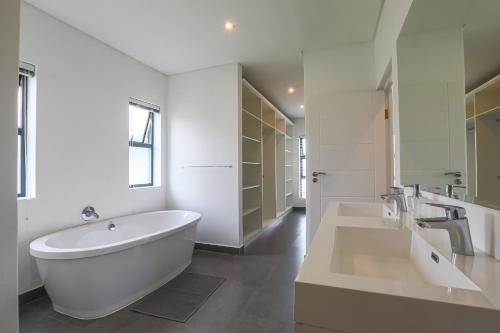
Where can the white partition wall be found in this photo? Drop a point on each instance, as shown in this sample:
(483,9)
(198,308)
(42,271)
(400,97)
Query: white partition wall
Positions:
(226,148)
(9,61)
(203,140)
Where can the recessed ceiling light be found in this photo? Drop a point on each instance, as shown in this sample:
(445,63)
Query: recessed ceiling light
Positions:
(229,26)
(301,106)
(291,90)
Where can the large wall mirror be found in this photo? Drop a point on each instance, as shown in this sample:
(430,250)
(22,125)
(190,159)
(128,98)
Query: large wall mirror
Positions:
(448,87)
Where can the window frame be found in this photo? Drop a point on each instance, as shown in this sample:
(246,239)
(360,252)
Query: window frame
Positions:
(302,173)
(150,126)
(22,133)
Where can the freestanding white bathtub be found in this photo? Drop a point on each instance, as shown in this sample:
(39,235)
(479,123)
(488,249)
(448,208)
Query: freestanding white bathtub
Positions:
(91,271)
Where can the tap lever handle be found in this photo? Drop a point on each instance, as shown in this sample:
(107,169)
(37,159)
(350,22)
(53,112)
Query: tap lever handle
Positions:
(397,190)
(452,212)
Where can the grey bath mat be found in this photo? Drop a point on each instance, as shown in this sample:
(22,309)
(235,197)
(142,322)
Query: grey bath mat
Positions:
(180,298)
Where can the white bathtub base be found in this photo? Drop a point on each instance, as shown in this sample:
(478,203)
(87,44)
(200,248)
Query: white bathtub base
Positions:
(99,313)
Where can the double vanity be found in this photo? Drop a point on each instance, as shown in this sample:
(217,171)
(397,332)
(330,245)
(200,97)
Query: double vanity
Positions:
(369,269)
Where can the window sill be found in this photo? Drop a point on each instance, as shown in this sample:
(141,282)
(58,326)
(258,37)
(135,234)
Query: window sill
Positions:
(25,198)
(144,187)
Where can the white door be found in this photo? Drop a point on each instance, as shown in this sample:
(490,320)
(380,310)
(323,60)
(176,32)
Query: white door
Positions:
(346,151)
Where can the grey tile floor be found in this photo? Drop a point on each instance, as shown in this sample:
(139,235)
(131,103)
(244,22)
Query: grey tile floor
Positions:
(257,296)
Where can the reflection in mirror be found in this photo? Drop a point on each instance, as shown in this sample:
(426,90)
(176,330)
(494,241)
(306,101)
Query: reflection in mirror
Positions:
(448,88)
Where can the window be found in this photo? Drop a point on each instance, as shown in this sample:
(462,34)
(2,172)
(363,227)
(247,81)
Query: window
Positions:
(141,143)
(26,73)
(302,160)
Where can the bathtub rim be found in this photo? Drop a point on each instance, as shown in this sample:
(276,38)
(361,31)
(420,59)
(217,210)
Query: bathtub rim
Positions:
(40,250)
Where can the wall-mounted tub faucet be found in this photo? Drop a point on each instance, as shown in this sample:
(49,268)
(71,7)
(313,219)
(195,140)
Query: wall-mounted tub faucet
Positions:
(89,214)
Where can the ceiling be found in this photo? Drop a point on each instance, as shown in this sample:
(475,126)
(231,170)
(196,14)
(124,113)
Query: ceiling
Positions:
(175,36)
(481,27)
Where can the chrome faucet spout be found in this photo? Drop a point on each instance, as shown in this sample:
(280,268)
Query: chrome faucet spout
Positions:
(457,225)
(399,198)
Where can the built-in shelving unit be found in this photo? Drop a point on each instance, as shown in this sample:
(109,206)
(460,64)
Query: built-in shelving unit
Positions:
(267,181)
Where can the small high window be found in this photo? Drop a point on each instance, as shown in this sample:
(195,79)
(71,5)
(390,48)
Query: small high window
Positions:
(302,166)
(142,117)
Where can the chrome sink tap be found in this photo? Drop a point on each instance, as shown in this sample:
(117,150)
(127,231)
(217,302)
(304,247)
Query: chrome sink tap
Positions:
(457,225)
(397,196)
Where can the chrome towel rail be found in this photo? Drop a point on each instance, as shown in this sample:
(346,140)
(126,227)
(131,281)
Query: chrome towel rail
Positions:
(206,166)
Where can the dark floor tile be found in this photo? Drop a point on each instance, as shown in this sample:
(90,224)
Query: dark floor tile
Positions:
(227,303)
(43,324)
(253,324)
(113,323)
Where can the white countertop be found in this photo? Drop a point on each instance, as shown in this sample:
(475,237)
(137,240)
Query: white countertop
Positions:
(482,269)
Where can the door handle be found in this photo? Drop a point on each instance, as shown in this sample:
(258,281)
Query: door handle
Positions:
(316,173)
(453,173)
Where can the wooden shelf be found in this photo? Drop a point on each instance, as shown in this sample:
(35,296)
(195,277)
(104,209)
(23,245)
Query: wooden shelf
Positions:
(251,163)
(280,132)
(250,211)
(251,114)
(250,100)
(250,139)
(249,187)
(267,124)
(490,111)
(250,235)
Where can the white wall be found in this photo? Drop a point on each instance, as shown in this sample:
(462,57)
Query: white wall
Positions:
(203,115)
(345,127)
(299,130)
(83,89)
(391,21)
(9,39)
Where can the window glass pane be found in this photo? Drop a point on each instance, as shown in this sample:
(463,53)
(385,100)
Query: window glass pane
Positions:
(140,166)
(19,107)
(19,166)
(303,188)
(140,124)
(302,147)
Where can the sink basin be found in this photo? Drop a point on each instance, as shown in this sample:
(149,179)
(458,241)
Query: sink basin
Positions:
(393,255)
(365,209)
